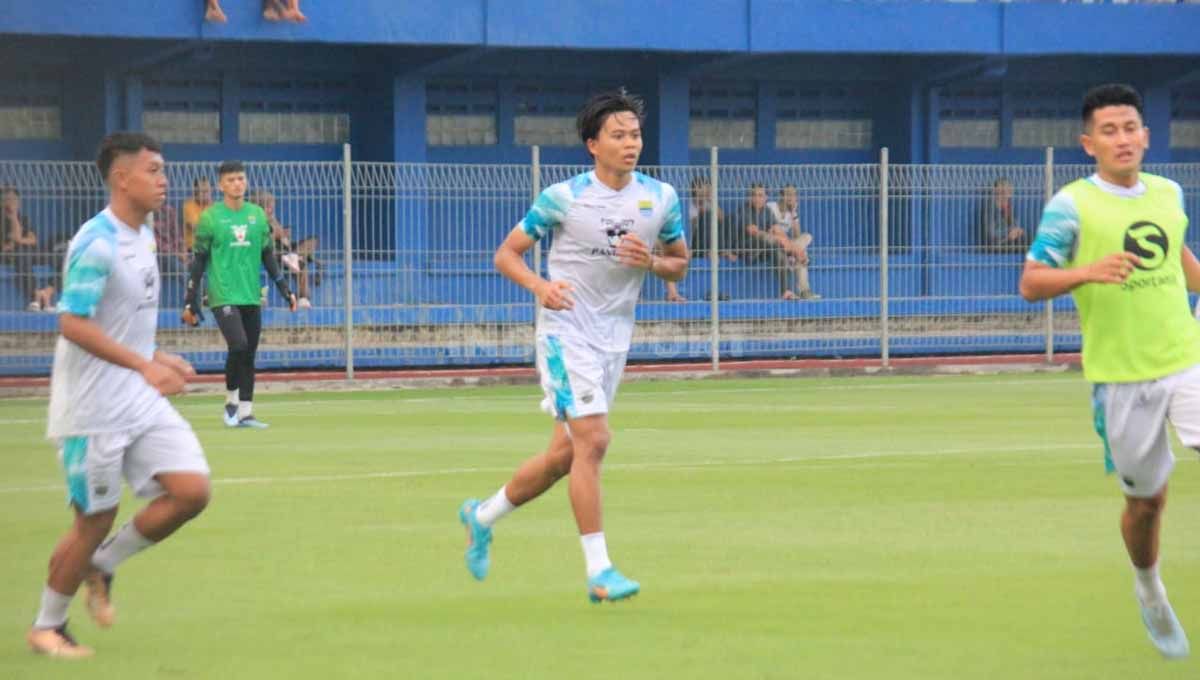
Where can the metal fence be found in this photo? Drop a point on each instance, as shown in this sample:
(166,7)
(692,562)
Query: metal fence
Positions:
(396,261)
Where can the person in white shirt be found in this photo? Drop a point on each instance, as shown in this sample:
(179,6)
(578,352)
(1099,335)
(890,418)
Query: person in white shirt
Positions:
(787,236)
(109,414)
(602,222)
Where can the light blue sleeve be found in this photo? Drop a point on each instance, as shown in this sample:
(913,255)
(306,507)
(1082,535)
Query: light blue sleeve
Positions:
(1057,233)
(89,261)
(1179,191)
(548,211)
(672,226)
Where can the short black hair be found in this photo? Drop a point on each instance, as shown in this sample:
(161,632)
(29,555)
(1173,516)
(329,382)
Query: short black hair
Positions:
(229,167)
(597,110)
(123,144)
(9,190)
(1111,94)
(196,182)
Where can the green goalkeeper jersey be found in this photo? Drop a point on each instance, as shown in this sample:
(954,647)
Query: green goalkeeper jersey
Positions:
(234,241)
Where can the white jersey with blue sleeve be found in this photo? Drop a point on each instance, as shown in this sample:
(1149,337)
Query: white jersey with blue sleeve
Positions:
(588,220)
(110,276)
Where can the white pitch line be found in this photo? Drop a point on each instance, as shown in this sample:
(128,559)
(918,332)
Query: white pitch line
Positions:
(703,464)
(939,381)
(933,381)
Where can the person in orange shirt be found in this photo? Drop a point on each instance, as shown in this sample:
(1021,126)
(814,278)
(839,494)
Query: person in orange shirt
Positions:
(202,197)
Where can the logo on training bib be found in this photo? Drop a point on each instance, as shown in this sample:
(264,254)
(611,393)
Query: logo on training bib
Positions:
(1149,242)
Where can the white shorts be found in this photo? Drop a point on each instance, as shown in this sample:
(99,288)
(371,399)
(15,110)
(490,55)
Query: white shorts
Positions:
(94,464)
(578,379)
(1131,419)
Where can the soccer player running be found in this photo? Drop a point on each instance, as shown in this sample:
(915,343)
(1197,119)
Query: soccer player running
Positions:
(108,409)
(233,243)
(603,222)
(1115,240)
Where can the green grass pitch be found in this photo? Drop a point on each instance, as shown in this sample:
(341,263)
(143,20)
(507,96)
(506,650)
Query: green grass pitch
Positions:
(901,527)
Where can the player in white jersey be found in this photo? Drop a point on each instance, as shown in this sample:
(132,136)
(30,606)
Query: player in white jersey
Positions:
(109,414)
(602,222)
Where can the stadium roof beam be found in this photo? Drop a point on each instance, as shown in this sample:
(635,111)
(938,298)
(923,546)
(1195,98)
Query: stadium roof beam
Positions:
(162,56)
(724,63)
(987,67)
(444,64)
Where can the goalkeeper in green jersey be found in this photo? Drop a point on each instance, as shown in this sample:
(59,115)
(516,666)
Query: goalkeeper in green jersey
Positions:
(233,241)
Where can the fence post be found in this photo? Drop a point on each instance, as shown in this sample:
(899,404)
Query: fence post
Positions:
(714,259)
(1049,193)
(347,262)
(535,182)
(884,331)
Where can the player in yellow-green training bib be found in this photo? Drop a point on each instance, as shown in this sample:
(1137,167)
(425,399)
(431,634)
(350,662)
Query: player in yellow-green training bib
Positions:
(1115,241)
(233,244)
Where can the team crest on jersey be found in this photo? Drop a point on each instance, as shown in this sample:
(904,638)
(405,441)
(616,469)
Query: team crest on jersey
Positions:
(251,218)
(239,234)
(645,207)
(614,231)
(149,279)
(614,235)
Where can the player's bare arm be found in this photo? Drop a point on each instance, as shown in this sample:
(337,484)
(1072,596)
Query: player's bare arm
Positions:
(1191,270)
(1040,281)
(89,336)
(510,261)
(285,291)
(175,362)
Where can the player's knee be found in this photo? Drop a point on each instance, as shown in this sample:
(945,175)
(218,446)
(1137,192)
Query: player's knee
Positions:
(95,527)
(192,498)
(1146,509)
(593,446)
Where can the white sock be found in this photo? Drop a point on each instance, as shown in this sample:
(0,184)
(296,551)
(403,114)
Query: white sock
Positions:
(494,508)
(244,409)
(54,609)
(1148,585)
(231,397)
(595,551)
(119,547)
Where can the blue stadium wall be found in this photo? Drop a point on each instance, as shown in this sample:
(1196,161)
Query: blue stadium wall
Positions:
(904,68)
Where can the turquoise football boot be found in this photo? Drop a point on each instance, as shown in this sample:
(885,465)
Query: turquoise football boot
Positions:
(479,540)
(611,585)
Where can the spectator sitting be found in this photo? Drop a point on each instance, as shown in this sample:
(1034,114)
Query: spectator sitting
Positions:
(19,249)
(202,197)
(760,233)
(789,237)
(700,223)
(998,227)
(169,242)
(293,257)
